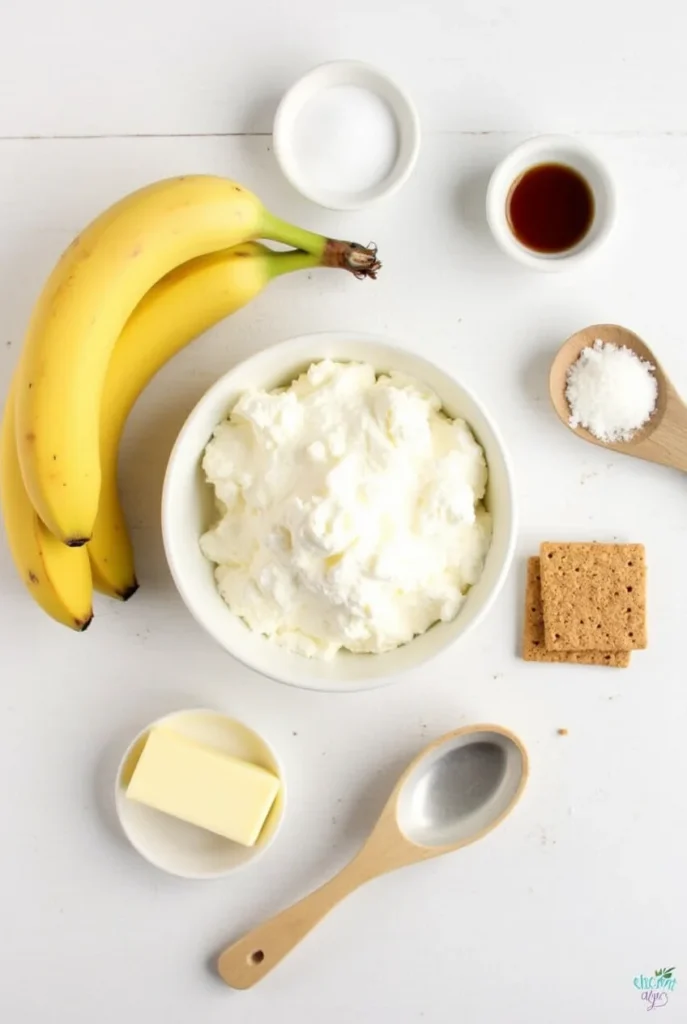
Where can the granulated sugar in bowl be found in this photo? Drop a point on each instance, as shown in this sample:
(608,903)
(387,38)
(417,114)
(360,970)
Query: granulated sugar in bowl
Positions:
(611,392)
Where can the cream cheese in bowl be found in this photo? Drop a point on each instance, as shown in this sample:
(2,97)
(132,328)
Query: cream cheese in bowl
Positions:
(350,510)
(190,511)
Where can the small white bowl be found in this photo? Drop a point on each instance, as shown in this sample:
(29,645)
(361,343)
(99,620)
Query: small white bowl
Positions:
(364,76)
(188,510)
(175,846)
(555,149)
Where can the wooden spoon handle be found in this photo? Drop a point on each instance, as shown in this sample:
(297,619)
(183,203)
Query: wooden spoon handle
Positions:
(667,442)
(671,438)
(247,961)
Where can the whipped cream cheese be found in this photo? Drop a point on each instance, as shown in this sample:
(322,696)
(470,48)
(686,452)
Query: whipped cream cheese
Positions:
(350,510)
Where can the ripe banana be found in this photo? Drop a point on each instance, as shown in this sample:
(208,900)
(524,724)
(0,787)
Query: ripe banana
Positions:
(84,306)
(176,310)
(57,577)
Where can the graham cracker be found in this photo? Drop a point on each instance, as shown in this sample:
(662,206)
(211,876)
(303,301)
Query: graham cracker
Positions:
(594,596)
(533,646)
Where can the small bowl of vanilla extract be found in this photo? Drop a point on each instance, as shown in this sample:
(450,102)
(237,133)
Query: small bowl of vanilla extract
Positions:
(550,203)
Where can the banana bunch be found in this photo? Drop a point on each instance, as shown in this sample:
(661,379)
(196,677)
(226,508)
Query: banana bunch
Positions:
(142,281)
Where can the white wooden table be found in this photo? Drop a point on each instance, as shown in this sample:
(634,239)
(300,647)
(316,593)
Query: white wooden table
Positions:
(584,887)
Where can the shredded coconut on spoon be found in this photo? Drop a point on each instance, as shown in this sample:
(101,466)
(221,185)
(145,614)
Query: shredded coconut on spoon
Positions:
(610,391)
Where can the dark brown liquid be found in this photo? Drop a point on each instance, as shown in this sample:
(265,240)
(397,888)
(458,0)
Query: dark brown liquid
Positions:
(550,208)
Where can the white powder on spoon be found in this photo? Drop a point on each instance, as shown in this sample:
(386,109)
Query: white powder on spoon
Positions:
(611,391)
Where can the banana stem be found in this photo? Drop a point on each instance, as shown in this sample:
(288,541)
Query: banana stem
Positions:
(360,260)
(280,231)
(279,263)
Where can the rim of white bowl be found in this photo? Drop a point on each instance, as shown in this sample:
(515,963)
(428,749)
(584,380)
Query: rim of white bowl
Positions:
(347,72)
(554,149)
(335,685)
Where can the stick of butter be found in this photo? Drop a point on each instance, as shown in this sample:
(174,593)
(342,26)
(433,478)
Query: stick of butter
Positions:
(203,786)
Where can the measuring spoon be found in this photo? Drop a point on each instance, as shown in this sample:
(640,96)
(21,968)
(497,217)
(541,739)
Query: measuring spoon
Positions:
(454,792)
(664,438)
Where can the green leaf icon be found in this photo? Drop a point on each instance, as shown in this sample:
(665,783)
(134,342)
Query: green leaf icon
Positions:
(658,973)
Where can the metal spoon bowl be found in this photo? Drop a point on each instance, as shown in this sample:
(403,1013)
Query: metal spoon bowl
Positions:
(453,793)
(457,791)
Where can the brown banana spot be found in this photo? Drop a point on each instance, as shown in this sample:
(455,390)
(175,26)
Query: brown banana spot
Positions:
(33,578)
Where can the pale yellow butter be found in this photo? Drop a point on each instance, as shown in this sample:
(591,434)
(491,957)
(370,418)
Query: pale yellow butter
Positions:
(203,786)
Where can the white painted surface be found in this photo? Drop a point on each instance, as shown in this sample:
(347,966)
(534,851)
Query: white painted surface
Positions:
(551,917)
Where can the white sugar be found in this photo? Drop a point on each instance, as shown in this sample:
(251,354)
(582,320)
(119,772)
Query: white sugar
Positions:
(345,139)
(611,392)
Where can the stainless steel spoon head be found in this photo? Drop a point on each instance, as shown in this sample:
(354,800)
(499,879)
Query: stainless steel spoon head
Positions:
(461,788)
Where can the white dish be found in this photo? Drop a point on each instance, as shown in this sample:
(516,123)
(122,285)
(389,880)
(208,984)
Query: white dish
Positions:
(175,846)
(363,76)
(557,149)
(188,510)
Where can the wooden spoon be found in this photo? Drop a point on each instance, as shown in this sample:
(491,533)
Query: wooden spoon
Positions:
(453,793)
(664,438)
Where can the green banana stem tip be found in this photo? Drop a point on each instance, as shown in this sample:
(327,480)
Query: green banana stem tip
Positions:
(360,260)
(279,263)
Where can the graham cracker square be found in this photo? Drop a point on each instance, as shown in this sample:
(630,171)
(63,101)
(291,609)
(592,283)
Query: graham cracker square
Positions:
(533,646)
(594,596)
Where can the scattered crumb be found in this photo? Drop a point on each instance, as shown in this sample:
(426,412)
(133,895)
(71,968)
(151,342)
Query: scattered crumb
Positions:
(562,732)
(540,836)
(294,734)
(498,675)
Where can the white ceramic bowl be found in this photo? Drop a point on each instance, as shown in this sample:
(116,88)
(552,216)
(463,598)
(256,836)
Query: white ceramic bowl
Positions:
(364,76)
(556,149)
(188,510)
(175,846)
